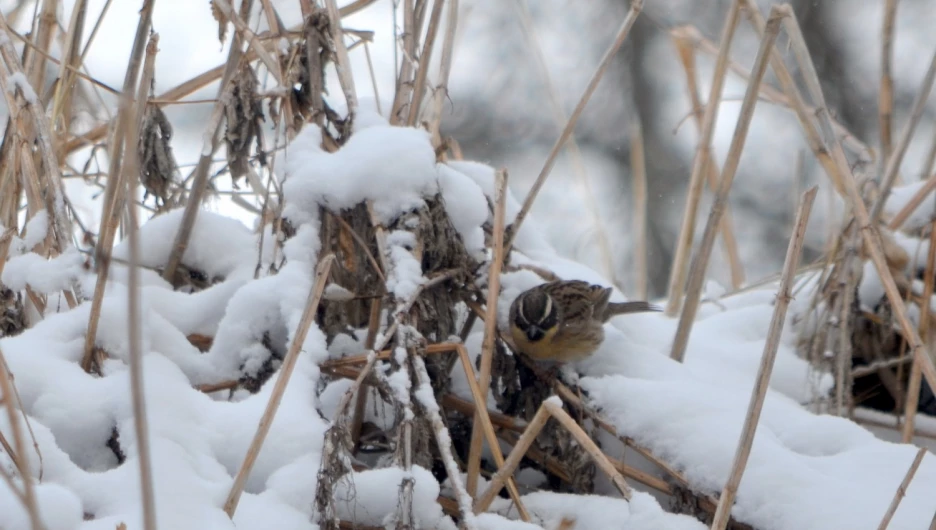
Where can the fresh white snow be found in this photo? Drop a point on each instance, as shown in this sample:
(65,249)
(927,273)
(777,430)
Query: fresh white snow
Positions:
(806,470)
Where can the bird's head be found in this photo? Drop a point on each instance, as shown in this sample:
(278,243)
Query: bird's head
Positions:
(536,314)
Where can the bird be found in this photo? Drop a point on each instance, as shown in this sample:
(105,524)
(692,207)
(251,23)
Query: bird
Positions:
(563,320)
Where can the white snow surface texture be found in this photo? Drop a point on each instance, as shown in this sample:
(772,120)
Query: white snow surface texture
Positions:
(806,471)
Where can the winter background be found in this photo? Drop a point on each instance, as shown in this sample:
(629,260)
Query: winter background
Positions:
(806,470)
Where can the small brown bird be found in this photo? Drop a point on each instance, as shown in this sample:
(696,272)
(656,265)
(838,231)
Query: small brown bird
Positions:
(564,320)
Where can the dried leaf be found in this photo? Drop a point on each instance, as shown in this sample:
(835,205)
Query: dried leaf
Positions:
(157,163)
(222,21)
(243,114)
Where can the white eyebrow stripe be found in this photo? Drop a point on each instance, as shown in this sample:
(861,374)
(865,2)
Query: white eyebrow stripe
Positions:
(520,310)
(546,310)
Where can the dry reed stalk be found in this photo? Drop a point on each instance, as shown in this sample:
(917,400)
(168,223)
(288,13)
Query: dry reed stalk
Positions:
(700,262)
(700,164)
(44,26)
(425,58)
(554,465)
(279,387)
(930,162)
(483,501)
(38,127)
(548,409)
(759,392)
(67,76)
(342,61)
(915,201)
(851,269)
(404,86)
(19,459)
(247,35)
(902,489)
(434,111)
(912,401)
(444,443)
(7,476)
(869,231)
(886,93)
(804,114)
(481,413)
(382,355)
(113,192)
(682,38)
(131,171)
(190,86)
(490,326)
(639,228)
(602,461)
(209,145)
(575,154)
(896,158)
(6,238)
(623,32)
(360,403)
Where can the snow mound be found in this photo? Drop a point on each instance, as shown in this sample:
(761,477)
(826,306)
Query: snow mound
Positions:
(806,471)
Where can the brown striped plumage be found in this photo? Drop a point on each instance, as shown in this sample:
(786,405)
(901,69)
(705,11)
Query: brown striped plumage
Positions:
(563,320)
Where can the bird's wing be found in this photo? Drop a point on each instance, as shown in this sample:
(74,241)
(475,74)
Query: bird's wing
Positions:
(577,299)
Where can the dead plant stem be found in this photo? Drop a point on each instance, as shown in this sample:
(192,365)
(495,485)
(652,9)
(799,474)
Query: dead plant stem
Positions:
(759,392)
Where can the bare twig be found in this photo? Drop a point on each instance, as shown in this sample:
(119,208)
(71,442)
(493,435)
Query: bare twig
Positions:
(700,262)
(279,387)
(759,392)
(636,6)
(902,489)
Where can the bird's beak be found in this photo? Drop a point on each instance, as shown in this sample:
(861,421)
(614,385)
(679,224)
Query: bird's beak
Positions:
(534,333)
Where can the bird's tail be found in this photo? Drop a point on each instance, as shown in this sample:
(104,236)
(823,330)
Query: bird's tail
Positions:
(620,308)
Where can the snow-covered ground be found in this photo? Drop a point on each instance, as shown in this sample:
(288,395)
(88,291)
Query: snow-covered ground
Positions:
(805,471)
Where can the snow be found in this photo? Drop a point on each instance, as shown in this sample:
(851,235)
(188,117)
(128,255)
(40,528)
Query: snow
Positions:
(371,497)
(467,207)
(42,275)
(405,275)
(805,471)
(360,171)
(901,195)
(36,229)
(18,80)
